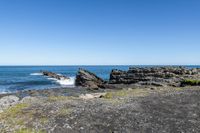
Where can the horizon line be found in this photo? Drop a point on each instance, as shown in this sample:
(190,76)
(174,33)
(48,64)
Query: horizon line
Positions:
(112,65)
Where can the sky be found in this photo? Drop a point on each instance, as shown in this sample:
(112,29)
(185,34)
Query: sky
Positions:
(99,32)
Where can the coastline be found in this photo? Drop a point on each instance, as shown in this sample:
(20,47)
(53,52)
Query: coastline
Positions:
(160,99)
(18,78)
(59,91)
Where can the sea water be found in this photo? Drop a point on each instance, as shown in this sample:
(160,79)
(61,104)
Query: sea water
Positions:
(15,78)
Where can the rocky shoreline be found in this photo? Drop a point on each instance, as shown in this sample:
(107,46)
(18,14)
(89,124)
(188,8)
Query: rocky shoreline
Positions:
(157,99)
(139,77)
(152,76)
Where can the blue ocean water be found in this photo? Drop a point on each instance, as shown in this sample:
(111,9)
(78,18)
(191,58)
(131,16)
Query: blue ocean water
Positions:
(15,78)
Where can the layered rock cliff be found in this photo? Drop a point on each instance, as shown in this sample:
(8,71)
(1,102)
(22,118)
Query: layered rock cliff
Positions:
(158,76)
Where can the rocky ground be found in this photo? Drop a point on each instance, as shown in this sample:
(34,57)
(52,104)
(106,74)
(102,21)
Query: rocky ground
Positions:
(154,100)
(148,110)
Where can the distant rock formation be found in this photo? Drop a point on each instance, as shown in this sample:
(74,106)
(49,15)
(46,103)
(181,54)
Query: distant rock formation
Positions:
(54,75)
(157,76)
(87,79)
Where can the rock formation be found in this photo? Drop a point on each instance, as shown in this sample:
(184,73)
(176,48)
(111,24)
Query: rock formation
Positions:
(54,75)
(87,79)
(157,76)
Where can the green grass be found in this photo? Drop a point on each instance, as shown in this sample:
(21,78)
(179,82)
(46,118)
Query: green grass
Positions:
(18,116)
(190,82)
(57,98)
(28,130)
(108,95)
(14,111)
(64,111)
(124,93)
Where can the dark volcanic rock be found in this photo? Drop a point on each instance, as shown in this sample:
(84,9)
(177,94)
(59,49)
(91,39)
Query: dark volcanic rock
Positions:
(54,75)
(157,76)
(87,79)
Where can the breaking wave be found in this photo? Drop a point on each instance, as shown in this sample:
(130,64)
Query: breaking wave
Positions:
(65,82)
(36,74)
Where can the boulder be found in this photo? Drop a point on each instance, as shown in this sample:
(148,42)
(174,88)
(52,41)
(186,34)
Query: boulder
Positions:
(29,99)
(8,101)
(89,80)
(92,95)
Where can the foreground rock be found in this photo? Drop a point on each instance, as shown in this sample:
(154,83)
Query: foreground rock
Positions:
(157,76)
(8,101)
(87,79)
(163,110)
(54,75)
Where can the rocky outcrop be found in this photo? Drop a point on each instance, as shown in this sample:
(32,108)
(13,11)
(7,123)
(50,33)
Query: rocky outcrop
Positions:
(153,76)
(157,76)
(54,75)
(87,79)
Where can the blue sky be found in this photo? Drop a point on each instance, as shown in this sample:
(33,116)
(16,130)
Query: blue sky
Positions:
(103,32)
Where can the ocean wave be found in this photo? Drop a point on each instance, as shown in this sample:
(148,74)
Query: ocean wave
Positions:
(4,91)
(51,79)
(36,74)
(65,82)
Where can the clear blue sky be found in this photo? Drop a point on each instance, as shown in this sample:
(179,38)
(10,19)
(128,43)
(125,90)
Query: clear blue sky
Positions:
(89,32)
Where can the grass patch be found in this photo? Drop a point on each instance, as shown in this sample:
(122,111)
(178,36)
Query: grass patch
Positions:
(19,117)
(57,98)
(64,111)
(44,120)
(108,95)
(190,82)
(29,130)
(124,93)
(15,117)
(13,111)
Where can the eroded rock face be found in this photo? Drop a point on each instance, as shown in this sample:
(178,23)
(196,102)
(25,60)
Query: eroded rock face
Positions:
(157,76)
(87,79)
(54,75)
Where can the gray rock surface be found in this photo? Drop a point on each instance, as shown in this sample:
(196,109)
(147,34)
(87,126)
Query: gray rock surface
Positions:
(8,101)
(29,99)
(172,110)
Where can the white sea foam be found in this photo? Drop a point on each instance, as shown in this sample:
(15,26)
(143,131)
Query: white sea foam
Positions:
(4,91)
(68,82)
(52,79)
(36,74)
(65,82)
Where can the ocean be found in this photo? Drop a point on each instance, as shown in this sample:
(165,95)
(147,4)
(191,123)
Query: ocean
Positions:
(17,78)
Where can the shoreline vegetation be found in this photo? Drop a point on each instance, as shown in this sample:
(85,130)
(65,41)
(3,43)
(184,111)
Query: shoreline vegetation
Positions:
(152,99)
